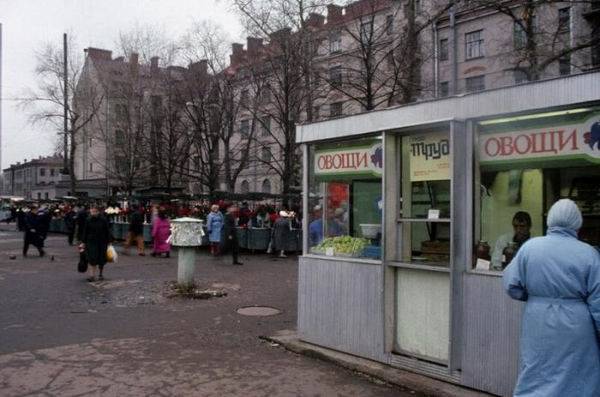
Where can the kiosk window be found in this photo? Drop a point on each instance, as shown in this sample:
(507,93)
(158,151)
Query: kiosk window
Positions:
(523,168)
(424,218)
(345,199)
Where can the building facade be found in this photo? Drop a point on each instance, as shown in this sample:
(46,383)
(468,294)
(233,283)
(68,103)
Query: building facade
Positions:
(36,179)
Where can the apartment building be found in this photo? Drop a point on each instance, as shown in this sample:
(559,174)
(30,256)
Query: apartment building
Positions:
(369,54)
(36,179)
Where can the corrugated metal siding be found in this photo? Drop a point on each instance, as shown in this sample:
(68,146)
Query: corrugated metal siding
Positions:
(340,306)
(557,92)
(492,325)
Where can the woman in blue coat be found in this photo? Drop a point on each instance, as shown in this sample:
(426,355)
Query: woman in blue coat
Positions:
(559,278)
(214,224)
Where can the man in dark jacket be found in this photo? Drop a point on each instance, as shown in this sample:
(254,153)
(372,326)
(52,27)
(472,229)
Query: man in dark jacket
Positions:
(69,219)
(82,215)
(136,231)
(229,234)
(31,225)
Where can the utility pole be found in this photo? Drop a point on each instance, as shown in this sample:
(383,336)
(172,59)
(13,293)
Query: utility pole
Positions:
(66,109)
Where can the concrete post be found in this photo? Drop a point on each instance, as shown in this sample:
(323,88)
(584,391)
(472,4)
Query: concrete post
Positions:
(186,234)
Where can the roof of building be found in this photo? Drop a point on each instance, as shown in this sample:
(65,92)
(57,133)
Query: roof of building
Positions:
(55,159)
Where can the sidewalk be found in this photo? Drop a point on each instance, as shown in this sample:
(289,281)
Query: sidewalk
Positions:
(398,377)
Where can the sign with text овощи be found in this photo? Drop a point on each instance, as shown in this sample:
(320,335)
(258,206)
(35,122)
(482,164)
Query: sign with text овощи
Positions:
(429,156)
(573,141)
(351,161)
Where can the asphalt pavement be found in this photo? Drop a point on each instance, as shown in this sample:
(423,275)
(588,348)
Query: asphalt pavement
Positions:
(126,336)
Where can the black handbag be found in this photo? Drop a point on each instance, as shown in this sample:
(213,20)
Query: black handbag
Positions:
(83,263)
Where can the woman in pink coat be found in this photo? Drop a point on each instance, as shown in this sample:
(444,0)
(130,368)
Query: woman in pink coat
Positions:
(161,229)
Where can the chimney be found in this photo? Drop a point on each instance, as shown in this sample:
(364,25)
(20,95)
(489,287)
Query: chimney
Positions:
(98,54)
(119,59)
(237,53)
(199,68)
(154,66)
(253,45)
(315,20)
(133,63)
(280,35)
(334,13)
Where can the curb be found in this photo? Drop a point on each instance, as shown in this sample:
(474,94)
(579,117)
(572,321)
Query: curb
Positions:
(373,369)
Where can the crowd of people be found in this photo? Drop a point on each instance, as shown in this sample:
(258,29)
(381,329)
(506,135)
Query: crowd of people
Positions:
(89,225)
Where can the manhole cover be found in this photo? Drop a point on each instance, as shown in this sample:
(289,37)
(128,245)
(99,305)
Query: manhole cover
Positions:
(258,311)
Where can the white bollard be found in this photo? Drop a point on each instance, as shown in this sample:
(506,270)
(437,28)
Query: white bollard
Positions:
(186,234)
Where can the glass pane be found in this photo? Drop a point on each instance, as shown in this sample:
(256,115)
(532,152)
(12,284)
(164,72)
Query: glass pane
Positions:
(345,199)
(426,243)
(537,162)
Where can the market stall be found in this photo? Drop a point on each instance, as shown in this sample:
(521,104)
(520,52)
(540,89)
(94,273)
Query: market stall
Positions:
(412,213)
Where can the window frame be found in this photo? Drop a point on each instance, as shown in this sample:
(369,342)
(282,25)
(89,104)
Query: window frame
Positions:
(335,42)
(335,105)
(444,54)
(471,43)
(469,82)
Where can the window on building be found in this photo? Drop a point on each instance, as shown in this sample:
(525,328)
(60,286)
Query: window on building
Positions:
(46,195)
(39,195)
(418,6)
(265,126)
(476,83)
(564,19)
(524,167)
(366,32)
(335,42)
(266,94)
(119,138)
(443,49)
(564,65)
(389,25)
(335,109)
(474,44)
(244,97)
(596,47)
(266,186)
(42,172)
(345,194)
(519,36)
(444,89)
(90,142)
(91,167)
(121,112)
(244,186)
(316,112)
(245,128)
(335,76)
(266,154)
(520,76)
(52,171)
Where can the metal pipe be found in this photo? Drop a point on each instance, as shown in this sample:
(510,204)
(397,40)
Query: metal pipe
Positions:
(66,109)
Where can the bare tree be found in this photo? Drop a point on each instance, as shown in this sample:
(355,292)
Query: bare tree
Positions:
(46,102)
(148,41)
(542,34)
(283,71)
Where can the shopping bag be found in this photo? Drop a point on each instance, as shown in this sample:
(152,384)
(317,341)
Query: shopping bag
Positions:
(111,254)
(83,263)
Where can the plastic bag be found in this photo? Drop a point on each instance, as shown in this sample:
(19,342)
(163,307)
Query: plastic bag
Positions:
(111,254)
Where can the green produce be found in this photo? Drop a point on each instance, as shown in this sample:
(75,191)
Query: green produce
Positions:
(344,244)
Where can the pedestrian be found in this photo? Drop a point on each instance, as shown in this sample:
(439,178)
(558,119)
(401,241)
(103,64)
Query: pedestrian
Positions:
(229,234)
(69,219)
(136,231)
(161,230)
(95,239)
(31,226)
(558,277)
(21,219)
(214,224)
(80,220)
(281,233)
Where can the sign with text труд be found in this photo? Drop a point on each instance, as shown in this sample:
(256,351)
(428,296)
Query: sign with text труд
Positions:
(429,156)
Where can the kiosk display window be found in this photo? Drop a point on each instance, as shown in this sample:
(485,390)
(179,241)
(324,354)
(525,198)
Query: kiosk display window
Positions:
(424,216)
(345,199)
(523,167)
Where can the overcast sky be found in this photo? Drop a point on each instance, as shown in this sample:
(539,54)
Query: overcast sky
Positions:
(28,24)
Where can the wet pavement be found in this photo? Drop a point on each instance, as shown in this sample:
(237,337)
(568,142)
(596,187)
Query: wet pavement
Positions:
(127,336)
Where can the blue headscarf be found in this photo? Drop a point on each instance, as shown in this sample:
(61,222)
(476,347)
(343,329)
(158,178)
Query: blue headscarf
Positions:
(564,213)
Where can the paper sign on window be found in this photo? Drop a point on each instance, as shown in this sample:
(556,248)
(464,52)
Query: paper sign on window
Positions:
(429,157)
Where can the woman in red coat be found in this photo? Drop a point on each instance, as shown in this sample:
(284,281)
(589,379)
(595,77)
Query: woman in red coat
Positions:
(161,230)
